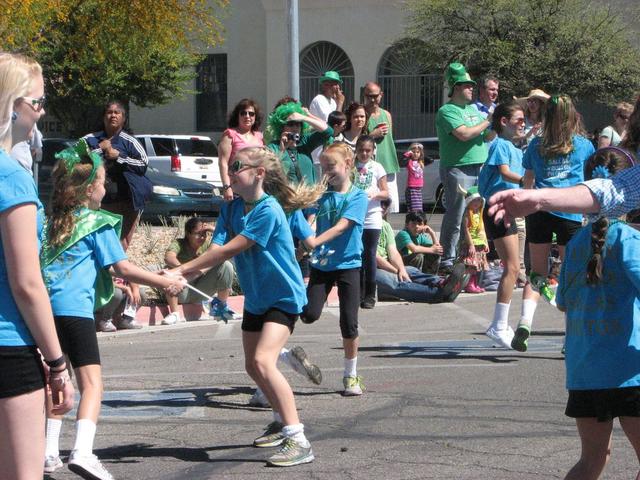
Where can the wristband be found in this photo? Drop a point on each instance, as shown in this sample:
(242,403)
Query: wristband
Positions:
(55,363)
(58,370)
(225,187)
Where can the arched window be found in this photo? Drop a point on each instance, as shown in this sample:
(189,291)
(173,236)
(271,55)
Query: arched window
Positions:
(318,58)
(412,94)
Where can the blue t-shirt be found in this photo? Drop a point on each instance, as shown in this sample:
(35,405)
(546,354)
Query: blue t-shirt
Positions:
(268,272)
(71,277)
(603,320)
(563,171)
(17,188)
(348,246)
(501,152)
(299,226)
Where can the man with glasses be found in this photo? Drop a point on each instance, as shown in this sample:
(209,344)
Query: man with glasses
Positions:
(460,128)
(380,126)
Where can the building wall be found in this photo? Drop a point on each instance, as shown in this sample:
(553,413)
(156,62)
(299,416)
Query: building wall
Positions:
(256,49)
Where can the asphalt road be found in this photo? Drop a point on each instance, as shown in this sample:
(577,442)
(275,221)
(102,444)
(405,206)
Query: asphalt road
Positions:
(441,401)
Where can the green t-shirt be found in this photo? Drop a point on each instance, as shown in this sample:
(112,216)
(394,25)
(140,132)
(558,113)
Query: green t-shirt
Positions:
(386,239)
(404,238)
(453,152)
(385,149)
(183,253)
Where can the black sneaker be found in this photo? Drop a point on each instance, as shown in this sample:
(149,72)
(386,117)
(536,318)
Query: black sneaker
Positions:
(445,269)
(368,303)
(454,283)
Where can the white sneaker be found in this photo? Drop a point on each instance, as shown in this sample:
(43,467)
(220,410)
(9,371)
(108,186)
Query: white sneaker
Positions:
(171,319)
(259,399)
(51,464)
(88,466)
(501,337)
(299,361)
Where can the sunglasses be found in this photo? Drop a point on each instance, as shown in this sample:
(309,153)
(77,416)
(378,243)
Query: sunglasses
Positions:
(237,167)
(36,103)
(249,113)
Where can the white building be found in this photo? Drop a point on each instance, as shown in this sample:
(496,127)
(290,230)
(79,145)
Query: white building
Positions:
(352,37)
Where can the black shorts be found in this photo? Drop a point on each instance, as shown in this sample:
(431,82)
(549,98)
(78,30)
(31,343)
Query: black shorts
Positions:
(493,231)
(604,405)
(22,371)
(78,340)
(254,323)
(542,225)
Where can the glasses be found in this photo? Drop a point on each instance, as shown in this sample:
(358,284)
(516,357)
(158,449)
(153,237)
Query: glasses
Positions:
(372,96)
(36,103)
(247,113)
(237,167)
(518,120)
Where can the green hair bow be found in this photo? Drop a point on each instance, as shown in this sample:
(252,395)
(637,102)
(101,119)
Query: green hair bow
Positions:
(79,153)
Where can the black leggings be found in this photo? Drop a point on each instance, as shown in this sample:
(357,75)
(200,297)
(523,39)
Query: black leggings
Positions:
(370,239)
(321,283)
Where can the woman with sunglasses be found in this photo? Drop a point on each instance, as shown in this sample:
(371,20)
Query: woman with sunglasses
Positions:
(26,320)
(612,135)
(244,131)
(533,105)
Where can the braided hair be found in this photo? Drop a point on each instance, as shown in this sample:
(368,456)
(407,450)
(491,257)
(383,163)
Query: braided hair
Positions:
(604,163)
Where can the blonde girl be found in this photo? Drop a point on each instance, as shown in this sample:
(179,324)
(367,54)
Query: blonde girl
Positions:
(81,244)
(339,223)
(26,321)
(253,228)
(415,177)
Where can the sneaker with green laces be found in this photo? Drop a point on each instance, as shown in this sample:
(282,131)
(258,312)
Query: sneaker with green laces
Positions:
(520,338)
(272,436)
(353,386)
(541,285)
(291,453)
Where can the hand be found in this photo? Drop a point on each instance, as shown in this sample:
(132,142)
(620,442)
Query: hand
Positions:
(471,250)
(485,248)
(437,249)
(135,293)
(178,283)
(403,276)
(506,205)
(126,290)
(105,144)
(62,392)
(306,111)
(227,194)
(296,117)
(338,96)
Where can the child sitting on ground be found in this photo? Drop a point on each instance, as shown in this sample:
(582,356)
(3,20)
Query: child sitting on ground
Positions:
(418,244)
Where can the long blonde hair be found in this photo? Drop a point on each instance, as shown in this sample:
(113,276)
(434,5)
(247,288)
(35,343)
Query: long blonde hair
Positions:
(345,154)
(562,123)
(16,77)
(290,197)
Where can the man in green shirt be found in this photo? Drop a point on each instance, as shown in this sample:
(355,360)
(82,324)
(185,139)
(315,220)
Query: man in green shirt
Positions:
(418,245)
(460,128)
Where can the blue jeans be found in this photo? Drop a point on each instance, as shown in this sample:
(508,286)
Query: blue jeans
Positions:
(422,288)
(466,176)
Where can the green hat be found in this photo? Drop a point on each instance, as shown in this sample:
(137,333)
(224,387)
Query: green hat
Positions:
(331,76)
(455,74)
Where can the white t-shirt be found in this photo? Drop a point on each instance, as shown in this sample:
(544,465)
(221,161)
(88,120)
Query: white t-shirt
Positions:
(321,107)
(366,178)
(21,152)
(612,135)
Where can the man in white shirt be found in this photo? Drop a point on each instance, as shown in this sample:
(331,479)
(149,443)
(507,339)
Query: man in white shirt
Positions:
(328,100)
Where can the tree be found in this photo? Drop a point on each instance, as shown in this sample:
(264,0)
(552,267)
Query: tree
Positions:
(136,51)
(575,47)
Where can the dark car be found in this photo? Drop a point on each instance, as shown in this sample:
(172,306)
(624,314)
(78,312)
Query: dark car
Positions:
(172,196)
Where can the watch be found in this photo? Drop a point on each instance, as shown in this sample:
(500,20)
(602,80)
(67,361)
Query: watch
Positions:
(225,187)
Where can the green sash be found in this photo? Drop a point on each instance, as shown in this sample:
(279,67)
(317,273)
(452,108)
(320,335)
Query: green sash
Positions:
(88,222)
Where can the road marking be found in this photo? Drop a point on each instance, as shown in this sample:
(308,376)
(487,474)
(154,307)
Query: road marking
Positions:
(467,314)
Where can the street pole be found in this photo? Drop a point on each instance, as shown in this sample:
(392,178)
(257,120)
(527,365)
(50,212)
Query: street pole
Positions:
(294,49)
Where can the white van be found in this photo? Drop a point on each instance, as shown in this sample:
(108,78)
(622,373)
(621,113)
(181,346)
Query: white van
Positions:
(189,156)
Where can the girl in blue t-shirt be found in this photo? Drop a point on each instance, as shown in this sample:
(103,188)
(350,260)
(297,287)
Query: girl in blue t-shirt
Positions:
(337,260)
(556,159)
(502,171)
(253,228)
(600,292)
(82,242)
(27,331)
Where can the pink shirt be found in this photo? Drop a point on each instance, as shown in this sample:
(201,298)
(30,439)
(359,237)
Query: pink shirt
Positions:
(415,174)
(238,142)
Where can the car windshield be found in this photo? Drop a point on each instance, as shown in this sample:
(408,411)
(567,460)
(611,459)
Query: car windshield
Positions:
(197,148)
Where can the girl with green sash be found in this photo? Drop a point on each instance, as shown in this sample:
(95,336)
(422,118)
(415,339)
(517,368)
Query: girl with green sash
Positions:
(81,244)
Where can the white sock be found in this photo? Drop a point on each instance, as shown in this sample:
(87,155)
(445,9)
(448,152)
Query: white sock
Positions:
(350,365)
(501,316)
(283,356)
(528,310)
(277,417)
(53,437)
(296,432)
(85,433)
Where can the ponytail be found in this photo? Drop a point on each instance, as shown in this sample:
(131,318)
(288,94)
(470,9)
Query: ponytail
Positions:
(598,234)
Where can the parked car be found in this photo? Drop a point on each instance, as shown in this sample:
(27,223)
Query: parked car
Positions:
(432,192)
(172,196)
(187,156)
